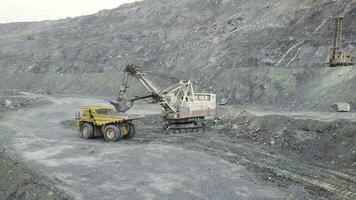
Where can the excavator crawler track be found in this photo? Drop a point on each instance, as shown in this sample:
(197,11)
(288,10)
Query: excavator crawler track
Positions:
(184,126)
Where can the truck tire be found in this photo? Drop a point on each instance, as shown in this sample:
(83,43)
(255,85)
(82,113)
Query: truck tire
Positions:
(87,131)
(132,132)
(112,133)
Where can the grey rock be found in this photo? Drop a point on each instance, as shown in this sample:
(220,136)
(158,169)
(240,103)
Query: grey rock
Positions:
(8,104)
(222,102)
(342,107)
(246,51)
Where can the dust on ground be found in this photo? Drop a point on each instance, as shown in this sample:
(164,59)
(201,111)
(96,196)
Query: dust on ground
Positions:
(294,156)
(315,149)
(311,137)
(151,165)
(14,100)
(18,182)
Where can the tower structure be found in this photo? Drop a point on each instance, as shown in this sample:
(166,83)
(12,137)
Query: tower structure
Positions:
(337,57)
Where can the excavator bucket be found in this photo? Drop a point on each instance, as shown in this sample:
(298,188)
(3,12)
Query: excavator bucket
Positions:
(120,106)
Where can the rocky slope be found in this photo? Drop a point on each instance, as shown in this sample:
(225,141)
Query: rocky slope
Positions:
(250,52)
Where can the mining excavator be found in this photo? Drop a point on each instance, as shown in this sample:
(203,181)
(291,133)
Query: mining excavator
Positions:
(184,110)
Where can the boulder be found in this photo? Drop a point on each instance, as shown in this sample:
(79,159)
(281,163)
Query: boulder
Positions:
(341,107)
(222,102)
(8,104)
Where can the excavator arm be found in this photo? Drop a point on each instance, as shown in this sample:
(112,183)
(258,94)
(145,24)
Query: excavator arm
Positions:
(124,103)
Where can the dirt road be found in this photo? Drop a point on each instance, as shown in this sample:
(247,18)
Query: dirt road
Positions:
(324,116)
(135,169)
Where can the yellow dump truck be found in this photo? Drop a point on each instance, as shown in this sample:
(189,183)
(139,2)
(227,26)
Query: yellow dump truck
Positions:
(105,121)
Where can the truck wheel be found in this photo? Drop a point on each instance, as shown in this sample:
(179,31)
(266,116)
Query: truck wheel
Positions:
(87,131)
(132,132)
(112,133)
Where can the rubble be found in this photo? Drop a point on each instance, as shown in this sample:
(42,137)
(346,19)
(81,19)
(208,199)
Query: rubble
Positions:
(341,107)
(222,102)
(242,74)
(18,182)
(260,55)
(12,100)
(8,105)
(310,140)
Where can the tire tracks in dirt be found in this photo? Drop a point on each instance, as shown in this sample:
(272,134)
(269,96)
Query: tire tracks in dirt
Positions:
(339,184)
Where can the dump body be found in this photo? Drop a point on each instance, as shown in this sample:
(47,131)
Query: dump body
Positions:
(101,115)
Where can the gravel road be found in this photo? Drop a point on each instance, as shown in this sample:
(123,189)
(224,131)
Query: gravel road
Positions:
(94,169)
